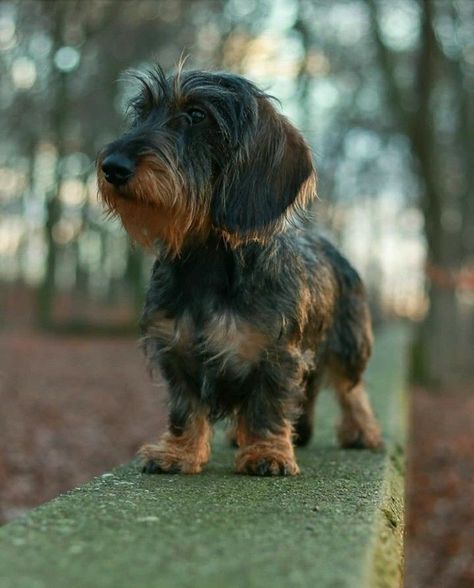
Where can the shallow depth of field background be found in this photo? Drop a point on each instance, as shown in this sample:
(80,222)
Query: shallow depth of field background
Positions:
(384,93)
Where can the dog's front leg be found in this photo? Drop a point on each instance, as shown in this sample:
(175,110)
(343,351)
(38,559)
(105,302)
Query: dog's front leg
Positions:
(267,453)
(185,447)
(183,451)
(264,429)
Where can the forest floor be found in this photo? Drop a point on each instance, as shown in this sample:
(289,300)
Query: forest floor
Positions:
(440,491)
(74,407)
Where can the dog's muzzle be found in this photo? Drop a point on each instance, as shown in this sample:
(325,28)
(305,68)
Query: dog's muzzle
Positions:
(118,168)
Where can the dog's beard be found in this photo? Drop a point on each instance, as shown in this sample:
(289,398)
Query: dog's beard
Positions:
(155,206)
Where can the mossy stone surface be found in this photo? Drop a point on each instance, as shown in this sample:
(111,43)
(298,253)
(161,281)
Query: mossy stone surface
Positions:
(339,524)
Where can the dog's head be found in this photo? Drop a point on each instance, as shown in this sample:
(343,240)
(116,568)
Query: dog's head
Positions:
(205,152)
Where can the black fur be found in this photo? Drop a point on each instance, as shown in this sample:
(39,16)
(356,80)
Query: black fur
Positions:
(261,284)
(244,318)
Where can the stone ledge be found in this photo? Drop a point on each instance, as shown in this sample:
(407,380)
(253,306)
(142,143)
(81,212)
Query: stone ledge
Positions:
(339,524)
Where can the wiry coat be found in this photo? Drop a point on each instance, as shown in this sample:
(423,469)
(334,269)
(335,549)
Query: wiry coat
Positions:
(247,307)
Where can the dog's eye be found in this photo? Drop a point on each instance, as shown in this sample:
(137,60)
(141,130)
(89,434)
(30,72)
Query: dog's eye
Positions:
(196,115)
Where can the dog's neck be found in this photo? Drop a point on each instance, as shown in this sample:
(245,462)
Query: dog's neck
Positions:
(210,278)
(214,267)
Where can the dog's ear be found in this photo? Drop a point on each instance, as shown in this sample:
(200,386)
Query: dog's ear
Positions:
(270,178)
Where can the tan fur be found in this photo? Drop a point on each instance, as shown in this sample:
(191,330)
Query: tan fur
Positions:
(235,339)
(186,453)
(358,426)
(276,450)
(152,206)
(234,240)
(315,321)
(305,305)
(172,332)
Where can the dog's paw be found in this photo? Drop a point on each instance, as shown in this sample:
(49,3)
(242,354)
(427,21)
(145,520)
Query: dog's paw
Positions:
(269,467)
(352,436)
(155,467)
(156,459)
(258,463)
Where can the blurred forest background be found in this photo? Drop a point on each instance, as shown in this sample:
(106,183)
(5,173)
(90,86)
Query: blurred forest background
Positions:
(383,91)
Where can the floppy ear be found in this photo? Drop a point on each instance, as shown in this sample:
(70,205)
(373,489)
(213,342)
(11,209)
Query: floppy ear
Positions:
(270,178)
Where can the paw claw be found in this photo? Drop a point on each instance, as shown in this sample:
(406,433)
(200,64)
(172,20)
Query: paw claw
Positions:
(261,469)
(150,467)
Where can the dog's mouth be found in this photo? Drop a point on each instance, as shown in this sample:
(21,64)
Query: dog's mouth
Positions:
(124,192)
(152,205)
(110,190)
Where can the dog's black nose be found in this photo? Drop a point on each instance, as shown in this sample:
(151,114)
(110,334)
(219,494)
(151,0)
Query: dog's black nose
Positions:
(118,168)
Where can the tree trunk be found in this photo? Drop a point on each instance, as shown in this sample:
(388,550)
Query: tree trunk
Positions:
(46,291)
(440,354)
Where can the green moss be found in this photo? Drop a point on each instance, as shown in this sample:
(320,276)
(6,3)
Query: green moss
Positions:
(338,524)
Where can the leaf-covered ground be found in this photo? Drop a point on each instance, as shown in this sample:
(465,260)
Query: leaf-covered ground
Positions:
(440,532)
(71,408)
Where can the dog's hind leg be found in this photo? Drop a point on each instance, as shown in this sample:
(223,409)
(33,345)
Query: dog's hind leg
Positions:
(264,431)
(358,428)
(304,425)
(350,346)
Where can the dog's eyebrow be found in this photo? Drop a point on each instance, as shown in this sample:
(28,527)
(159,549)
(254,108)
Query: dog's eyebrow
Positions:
(154,87)
(179,115)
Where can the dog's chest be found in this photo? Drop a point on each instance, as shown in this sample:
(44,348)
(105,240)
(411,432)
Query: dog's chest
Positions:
(223,339)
